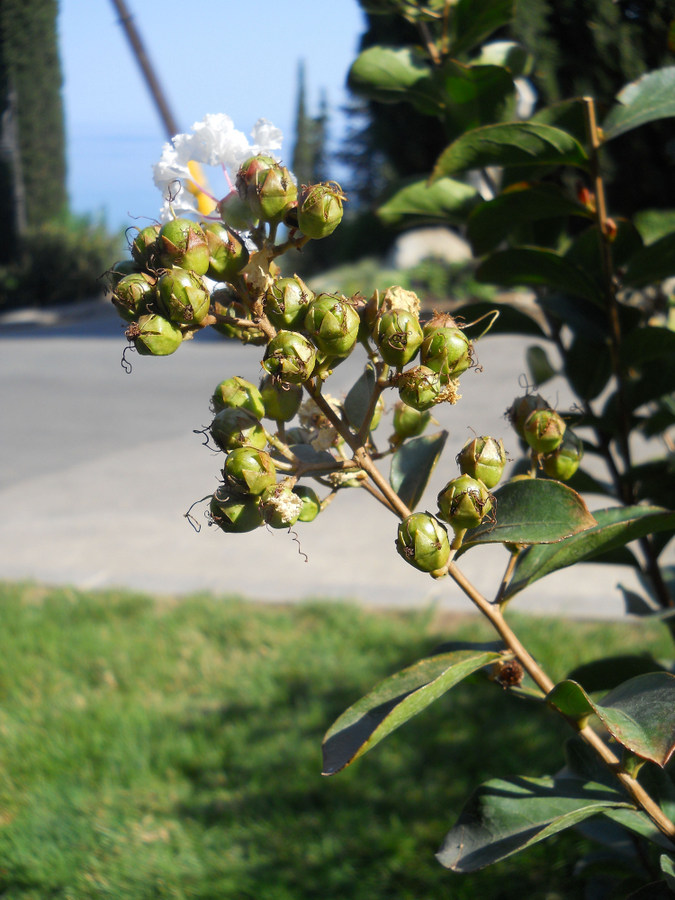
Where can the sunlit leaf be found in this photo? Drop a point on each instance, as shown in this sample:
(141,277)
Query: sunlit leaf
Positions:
(357,400)
(649,98)
(446,200)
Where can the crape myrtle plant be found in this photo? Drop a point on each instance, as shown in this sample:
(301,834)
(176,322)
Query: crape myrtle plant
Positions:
(290,447)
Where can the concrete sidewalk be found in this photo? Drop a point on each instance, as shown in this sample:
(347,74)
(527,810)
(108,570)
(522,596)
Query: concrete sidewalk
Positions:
(98,468)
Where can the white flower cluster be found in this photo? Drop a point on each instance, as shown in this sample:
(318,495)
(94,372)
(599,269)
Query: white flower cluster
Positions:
(213,142)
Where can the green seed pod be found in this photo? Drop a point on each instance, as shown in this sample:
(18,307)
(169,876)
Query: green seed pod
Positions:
(183,243)
(320,209)
(333,325)
(229,309)
(118,270)
(464,502)
(408,421)
(183,296)
(544,430)
(267,187)
(423,542)
(238,393)
(232,428)
(134,294)
(250,471)
(154,335)
(522,408)
(421,387)
(281,401)
(565,459)
(235,513)
(398,335)
(145,247)
(446,350)
(286,302)
(281,506)
(483,458)
(227,252)
(290,357)
(236,213)
(311,505)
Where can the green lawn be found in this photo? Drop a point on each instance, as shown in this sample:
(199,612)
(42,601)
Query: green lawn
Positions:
(152,748)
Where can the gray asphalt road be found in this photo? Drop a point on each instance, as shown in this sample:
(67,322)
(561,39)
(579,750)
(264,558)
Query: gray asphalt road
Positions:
(98,468)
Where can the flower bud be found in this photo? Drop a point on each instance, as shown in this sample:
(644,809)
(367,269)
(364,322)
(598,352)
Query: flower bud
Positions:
(286,302)
(229,309)
(238,393)
(423,542)
(235,513)
(154,335)
(145,247)
(523,407)
(183,296)
(446,349)
(250,471)
(183,243)
(267,187)
(290,357)
(281,506)
(311,505)
(565,459)
(320,209)
(398,335)
(133,295)
(333,325)
(281,401)
(421,388)
(543,430)
(408,421)
(232,428)
(227,252)
(464,502)
(483,458)
(236,212)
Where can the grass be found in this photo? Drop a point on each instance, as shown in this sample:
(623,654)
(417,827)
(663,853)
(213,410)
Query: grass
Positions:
(156,749)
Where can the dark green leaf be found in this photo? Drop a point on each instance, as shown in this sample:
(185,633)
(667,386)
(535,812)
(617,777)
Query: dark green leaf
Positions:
(539,268)
(505,816)
(510,144)
(446,200)
(588,366)
(639,713)
(649,98)
(512,319)
(655,890)
(395,700)
(668,869)
(637,605)
(585,251)
(357,400)
(394,75)
(605,674)
(647,344)
(613,528)
(509,54)
(654,223)
(492,221)
(532,511)
(473,21)
(539,365)
(412,464)
(567,115)
(579,315)
(473,95)
(651,264)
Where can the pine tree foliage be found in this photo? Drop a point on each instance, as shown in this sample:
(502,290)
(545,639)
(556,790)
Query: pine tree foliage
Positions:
(310,160)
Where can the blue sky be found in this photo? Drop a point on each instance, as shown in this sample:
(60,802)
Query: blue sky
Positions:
(239,58)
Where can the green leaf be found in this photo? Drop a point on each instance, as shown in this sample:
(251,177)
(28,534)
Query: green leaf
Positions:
(509,54)
(651,264)
(395,75)
(532,511)
(395,700)
(492,221)
(649,98)
(539,365)
(473,95)
(412,464)
(668,868)
(585,251)
(639,713)
(475,20)
(568,115)
(588,366)
(646,345)
(507,815)
(610,671)
(511,320)
(357,400)
(654,223)
(537,267)
(510,144)
(613,528)
(446,200)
